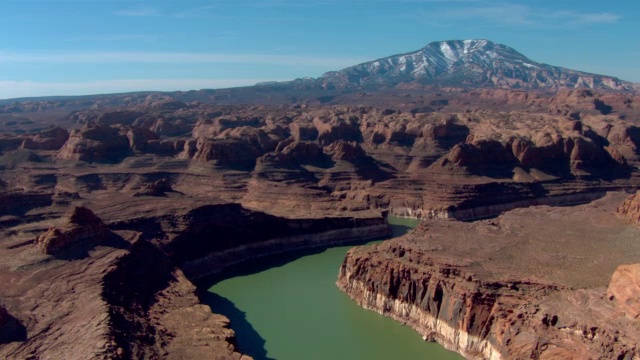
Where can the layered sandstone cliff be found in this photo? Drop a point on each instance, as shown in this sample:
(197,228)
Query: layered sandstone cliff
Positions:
(508,288)
(111,286)
(154,311)
(204,238)
(220,184)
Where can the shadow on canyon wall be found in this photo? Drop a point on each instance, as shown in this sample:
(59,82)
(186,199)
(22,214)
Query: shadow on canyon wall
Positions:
(12,330)
(250,342)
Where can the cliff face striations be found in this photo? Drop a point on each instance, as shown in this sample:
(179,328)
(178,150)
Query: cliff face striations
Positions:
(497,290)
(184,184)
(111,286)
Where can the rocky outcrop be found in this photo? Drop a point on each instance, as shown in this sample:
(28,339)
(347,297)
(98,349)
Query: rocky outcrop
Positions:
(503,297)
(296,153)
(346,150)
(557,156)
(169,128)
(9,143)
(580,102)
(205,239)
(310,176)
(495,202)
(630,209)
(163,103)
(98,143)
(124,117)
(257,138)
(139,138)
(478,319)
(52,139)
(444,303)
(481,158)
(18,203)
(365,229)
(211,128)
(304,152)
(155,312)
(338,128)
(124,299)
(624,289)
(230,153)
(157,188)
(82,225)
(303,132)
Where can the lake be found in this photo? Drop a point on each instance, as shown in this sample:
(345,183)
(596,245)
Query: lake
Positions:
(288,307)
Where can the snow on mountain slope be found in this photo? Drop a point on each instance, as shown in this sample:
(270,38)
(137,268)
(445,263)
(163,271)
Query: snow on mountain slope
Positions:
(475,63)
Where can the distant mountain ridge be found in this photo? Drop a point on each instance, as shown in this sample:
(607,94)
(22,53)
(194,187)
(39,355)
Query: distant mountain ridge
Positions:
(454,63)
(467,63)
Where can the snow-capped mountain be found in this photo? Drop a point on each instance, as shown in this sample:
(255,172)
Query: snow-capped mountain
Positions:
(473,63)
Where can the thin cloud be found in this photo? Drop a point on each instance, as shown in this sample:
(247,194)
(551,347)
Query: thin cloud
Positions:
(201,11)
(139,12)
(594,18)
(431,1)
(503,14)
(16,89)
(113,37)
(516,14)
(175,58)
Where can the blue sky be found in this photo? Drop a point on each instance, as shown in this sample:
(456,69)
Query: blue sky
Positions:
(55,47)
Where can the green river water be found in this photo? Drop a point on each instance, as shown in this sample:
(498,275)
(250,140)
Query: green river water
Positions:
(289,308)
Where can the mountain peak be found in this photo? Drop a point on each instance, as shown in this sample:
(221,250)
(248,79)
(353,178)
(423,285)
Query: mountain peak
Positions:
(468,63)
(468,44)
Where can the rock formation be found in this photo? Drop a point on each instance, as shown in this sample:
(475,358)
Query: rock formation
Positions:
(124,117)
(95,143)
(630,209)
(82,225)
(501,297)
(202,184)
(624,289)
(157,188)
(52,139)
(154,311)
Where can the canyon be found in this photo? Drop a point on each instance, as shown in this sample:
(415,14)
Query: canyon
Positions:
(114,206)
(513,287)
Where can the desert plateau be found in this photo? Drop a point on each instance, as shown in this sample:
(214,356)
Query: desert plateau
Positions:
(485,204)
